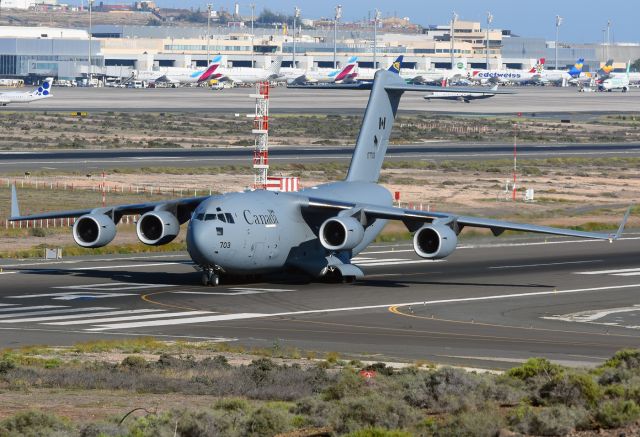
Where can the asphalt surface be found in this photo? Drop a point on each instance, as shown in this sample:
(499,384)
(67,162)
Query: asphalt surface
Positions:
(491,304)
(551,101)
(120,158)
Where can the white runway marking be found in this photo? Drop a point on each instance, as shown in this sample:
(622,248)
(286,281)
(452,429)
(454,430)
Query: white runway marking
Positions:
(185,321)
(592,315)
(8,273)
(393,263)
(126,266)
(47,312)
(127,318)
(617,272)
(237,291)
(546,264)
(8,304)
(243,316)
(39,307)
(79,316)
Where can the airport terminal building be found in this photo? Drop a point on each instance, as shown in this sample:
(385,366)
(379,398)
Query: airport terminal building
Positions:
(32,53)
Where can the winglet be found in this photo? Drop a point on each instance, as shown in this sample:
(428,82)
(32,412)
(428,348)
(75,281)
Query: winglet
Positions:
(622,224)
(15,209)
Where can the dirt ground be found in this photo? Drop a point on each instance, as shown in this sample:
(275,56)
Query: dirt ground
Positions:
(562,197)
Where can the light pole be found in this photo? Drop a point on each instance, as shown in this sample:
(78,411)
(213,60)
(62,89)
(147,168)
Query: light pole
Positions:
(209,6)
(454,18)
(296,14)
(90,74)
(489,21)
(376,18)
(558,23)
(608,37)
(335,35)
(253,9)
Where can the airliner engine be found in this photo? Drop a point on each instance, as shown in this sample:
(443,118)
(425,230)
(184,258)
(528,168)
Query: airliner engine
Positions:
(94,230)
(434,241)
(341,233)
(156,228)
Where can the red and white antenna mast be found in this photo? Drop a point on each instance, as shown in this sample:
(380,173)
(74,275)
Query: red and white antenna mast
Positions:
(261,132)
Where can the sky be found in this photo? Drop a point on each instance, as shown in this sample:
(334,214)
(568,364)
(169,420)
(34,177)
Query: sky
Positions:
(584,20)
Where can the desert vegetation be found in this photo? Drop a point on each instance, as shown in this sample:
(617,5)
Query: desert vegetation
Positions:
(213,389)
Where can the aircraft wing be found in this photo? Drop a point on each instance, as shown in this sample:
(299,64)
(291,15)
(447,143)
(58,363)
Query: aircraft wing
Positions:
(183,206)
(415,219)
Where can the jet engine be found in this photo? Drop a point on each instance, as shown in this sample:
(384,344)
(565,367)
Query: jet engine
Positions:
(157,227)
(434,241)
(94,230)
(341,233)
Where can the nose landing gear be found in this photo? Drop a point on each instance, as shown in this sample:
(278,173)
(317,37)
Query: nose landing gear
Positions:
(210,277)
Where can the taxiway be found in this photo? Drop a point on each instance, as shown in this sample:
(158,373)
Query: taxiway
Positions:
(490,304)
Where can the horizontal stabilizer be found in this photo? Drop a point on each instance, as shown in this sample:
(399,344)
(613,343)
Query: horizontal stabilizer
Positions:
(623,223)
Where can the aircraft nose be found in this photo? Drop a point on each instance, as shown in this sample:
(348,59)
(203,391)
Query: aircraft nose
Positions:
(199,245)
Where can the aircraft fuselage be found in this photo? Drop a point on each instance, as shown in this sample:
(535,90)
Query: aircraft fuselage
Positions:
(264,231)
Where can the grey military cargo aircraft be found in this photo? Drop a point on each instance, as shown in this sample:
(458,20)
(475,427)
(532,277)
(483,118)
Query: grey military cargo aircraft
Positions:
(317,230)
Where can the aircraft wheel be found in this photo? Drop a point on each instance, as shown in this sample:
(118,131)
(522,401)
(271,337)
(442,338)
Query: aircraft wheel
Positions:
(214,281)
(205,279)
(348,279)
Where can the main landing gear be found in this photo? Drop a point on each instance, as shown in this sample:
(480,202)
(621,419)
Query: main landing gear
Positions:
(210,277)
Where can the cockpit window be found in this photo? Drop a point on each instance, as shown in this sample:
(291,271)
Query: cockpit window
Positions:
(222,218)
(229,217)
(209,217)
(200,216)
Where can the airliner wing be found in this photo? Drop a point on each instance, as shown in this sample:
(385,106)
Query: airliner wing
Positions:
(183,207)
(415,219)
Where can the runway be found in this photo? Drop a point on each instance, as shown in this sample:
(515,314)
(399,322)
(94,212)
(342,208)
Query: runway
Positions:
(213,157)
(492,303)
(528,100)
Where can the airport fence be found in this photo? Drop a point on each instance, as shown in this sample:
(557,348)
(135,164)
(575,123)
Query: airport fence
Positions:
(95,186)
(106,188)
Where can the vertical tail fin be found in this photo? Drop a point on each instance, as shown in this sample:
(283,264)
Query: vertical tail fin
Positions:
(377,123)
(274,68)
(44,89)
(348,71)
(397,64)
(211,68)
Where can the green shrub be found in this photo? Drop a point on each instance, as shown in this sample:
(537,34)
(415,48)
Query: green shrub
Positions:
(134,362)
(347,383)
(625,358)
(571,389)
(486,422)
(614,414)
(232,404)
(265,422)
(378,432)
(102,430)
(34,424)
(535,367)
(374,410)
(446,389)
(547,421)
(7,362)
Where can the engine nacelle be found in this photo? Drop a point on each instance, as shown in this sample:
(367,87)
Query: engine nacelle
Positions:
(94,230)
(434,241)
(341,233)
(157,227)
